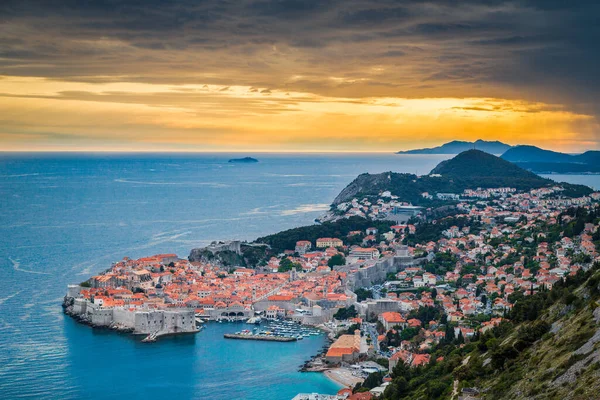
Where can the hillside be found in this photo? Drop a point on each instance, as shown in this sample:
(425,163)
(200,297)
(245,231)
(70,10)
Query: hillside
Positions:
(548,350)
(286,240)
(476,164)
(456,147)
(591,157)
(468,170)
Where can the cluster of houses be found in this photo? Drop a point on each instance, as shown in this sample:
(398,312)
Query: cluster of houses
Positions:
(384,207)
(473,294)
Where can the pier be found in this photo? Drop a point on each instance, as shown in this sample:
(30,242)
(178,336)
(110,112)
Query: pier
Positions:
(260,337)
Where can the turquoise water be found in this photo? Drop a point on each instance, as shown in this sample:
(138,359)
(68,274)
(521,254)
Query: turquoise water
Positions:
(66,217)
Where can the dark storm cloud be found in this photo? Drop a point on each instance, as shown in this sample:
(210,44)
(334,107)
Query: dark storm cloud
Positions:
(544,50)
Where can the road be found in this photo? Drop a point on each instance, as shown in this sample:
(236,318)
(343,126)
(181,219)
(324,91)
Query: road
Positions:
(371,330)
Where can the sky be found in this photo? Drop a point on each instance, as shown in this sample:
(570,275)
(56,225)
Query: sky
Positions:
(297,75)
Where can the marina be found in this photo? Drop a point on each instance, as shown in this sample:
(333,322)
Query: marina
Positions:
(275,330)
(259,337)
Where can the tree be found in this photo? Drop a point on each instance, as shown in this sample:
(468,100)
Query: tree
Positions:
(345,313)
(435,389)
(384,362)
(350,330)
(363,294)
(449,333)
(286,265)
(337,259)
(425,314)
(460,339)
(373,380)
(409,333)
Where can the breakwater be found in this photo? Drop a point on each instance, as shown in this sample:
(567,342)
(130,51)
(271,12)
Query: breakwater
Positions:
(260,337)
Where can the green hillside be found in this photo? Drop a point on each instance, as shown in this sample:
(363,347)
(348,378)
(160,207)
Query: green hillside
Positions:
(475,164)
(468,170)
(549,350)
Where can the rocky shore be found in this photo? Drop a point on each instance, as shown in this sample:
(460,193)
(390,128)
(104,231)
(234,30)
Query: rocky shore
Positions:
(317,362)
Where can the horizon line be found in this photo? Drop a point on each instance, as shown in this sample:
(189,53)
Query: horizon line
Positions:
(138,151)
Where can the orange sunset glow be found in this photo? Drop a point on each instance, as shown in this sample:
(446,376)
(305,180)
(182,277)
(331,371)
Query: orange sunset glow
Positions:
(307,77)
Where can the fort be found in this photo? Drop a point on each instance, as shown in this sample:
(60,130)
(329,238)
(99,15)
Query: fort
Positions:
(154,322)
(368,276)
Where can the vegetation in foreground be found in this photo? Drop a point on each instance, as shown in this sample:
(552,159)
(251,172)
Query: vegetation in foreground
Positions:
(548,350)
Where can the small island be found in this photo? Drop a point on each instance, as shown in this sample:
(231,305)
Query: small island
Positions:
(245,160)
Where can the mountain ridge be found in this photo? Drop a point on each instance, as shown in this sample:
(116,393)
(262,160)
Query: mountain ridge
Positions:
(541,160)
(458,146)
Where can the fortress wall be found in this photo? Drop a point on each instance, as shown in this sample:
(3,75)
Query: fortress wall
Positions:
(102,316)
(378,272)
(73,291)
(148,321)
(234,245)
(124,317)
(179,321)
(80,306)
(164,321)
(264,304)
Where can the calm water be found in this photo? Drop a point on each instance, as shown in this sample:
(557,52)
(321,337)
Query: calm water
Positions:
(66,217)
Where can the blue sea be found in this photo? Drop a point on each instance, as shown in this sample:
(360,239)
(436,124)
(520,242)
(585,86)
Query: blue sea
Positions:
(65,217)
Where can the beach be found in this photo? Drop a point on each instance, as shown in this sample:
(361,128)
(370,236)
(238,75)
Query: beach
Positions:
(343,376)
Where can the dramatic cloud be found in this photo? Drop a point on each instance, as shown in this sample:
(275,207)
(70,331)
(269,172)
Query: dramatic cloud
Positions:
(297,74)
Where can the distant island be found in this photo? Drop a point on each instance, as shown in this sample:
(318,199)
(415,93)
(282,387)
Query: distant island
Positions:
(243,160)
(540,160)
(457,146)
(528,157)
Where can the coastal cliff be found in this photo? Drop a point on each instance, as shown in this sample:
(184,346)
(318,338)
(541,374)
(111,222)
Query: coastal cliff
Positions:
(364,184)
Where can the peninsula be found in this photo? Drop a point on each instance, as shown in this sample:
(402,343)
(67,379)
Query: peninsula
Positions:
(490,285)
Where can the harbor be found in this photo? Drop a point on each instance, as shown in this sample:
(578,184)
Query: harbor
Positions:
(275,330)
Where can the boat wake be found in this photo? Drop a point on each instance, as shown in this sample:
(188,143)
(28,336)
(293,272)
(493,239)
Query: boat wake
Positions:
(17,267)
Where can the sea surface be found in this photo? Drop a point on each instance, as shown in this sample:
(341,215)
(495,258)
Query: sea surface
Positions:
(65,217)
